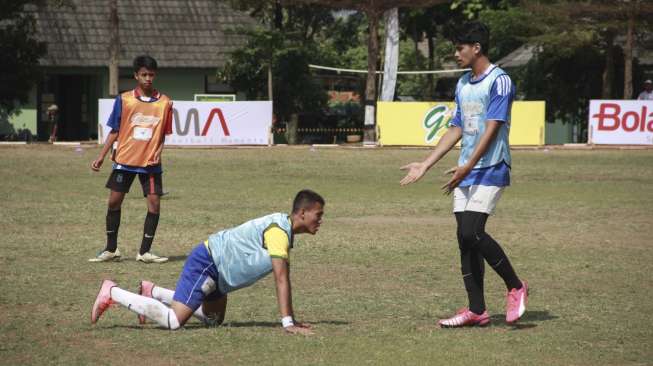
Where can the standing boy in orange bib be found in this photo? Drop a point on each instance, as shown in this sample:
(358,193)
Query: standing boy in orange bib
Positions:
(139,122)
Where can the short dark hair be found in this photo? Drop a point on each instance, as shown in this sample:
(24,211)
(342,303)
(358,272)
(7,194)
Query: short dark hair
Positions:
(473,32)
(306,198)
(145,61)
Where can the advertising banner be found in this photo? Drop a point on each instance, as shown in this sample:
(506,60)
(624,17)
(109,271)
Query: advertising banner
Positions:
(423,123)
(621,122)
(208,123)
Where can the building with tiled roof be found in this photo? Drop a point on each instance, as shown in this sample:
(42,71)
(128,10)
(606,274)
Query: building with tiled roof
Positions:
(190,40)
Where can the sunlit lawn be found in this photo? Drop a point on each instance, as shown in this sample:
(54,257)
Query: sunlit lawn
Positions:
(381,271)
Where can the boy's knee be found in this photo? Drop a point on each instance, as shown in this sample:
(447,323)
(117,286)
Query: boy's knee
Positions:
(153,206)
(173,322)
(470,239)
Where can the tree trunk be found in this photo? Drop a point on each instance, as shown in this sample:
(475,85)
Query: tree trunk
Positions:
(429,77)
(270,83)
(114,48)
(416,38)
(278,15)
(369,133)
(628,57)
(291,129)
(608,71)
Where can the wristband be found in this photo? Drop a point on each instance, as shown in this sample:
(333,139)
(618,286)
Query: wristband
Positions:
(287,321)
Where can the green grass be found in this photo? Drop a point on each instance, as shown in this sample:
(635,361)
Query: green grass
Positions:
(381,271)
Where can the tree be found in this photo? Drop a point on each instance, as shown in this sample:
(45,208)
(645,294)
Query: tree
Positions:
(575,58)
(418,24)
(114,47)
(566,65)
(435,25)
(374,10)
(621,16)
(296,91)
(302,22)
(19,55)
(604,20)
(280,56)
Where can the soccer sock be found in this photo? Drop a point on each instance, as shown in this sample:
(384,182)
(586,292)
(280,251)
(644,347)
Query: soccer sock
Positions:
(498,260)
(112,225)
(165,296)
(473,270)
(489,248)
(149,229)
(148,307)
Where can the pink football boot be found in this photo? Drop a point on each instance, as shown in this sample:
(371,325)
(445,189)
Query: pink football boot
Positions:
(465,318)
(516,301)
(103,300)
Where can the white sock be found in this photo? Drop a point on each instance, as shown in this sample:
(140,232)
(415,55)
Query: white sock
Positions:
(148,307)
(165,296)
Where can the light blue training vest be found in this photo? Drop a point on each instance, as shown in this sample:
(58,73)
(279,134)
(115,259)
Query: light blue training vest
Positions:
(474,99)
(239,254)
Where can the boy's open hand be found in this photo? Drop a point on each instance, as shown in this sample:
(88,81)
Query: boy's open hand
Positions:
(415,171)
(459,173)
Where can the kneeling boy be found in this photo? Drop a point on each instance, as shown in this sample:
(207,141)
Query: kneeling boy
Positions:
(229,260)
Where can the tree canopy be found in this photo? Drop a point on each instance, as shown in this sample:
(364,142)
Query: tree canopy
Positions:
(575,57)
(19,55)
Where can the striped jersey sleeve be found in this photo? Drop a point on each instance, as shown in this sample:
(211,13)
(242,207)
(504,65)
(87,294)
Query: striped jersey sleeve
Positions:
(501,96)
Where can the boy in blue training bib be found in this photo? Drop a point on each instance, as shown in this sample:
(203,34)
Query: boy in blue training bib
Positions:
(482,121)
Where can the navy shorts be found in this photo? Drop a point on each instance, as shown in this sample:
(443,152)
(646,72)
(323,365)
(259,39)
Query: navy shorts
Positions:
(198,280)
(121,181)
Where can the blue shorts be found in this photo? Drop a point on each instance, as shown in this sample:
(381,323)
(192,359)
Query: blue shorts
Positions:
(198,280)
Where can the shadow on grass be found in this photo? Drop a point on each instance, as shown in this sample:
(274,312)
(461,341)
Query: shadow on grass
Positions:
(528,320)
(194,325)
(177,258)
(276,324)
(172,258)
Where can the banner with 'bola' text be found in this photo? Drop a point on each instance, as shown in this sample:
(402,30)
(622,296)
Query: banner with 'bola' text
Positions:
(208,123)
(621,122)
(423,123)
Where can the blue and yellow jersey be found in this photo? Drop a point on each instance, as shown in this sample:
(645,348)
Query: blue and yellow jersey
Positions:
(141,127)
(243,254)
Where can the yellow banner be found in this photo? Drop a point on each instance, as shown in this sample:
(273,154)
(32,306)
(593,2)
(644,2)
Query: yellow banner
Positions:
(423,123)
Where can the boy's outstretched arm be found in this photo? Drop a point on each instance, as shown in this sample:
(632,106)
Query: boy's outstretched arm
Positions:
(284,297)
(418,169)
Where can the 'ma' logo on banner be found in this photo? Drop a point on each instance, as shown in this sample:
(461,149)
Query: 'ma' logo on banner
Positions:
(192,117)
(434,119)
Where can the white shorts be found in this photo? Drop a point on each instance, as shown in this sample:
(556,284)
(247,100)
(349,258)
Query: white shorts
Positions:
(476,198)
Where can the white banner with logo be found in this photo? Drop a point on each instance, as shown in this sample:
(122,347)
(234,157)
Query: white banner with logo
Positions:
(208,123)
(621,122)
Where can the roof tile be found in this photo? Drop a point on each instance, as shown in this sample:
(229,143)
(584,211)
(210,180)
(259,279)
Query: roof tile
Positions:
(178,33)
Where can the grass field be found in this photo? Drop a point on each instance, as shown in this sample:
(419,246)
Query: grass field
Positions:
(381,271)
